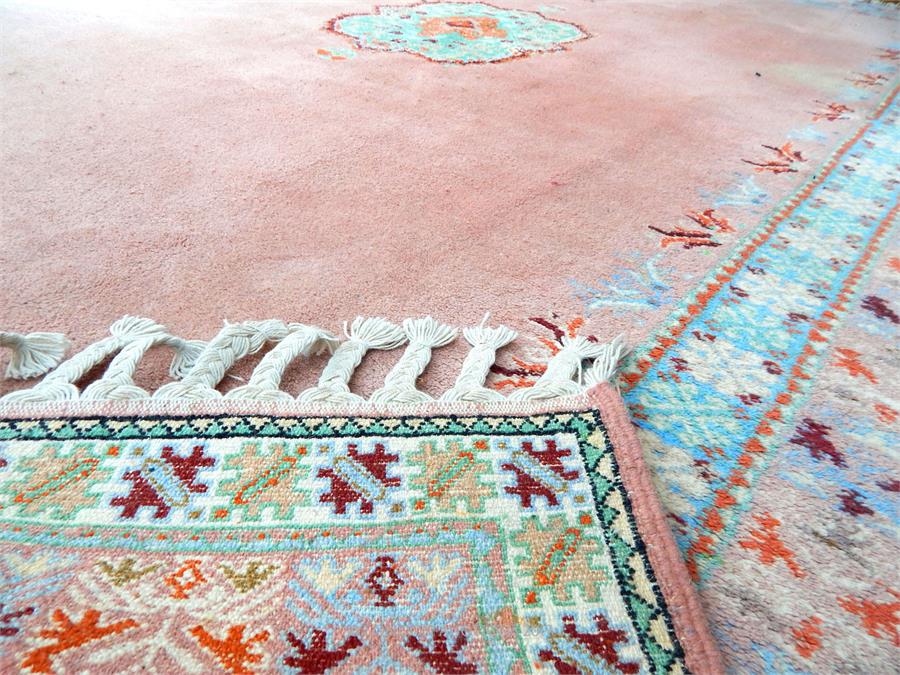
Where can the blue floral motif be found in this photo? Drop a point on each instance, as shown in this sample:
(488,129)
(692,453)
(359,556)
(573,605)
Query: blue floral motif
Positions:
(457,32)
(637,286)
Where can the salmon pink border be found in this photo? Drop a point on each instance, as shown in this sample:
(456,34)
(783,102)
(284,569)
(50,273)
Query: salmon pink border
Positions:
(700,650)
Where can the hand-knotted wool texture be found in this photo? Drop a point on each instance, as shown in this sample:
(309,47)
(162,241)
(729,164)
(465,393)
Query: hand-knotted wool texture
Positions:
(241,537)
(716,180)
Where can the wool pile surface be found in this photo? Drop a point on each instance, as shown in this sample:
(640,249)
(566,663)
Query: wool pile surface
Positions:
(717,181)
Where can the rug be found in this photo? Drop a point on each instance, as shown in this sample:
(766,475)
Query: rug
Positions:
(767,407)
(781,480)
(281,159)
(249,536)
(716,181)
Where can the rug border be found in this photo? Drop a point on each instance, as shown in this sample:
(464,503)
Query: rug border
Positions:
(701,652)
(701,655)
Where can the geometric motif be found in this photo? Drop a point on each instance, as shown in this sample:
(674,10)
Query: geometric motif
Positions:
(564,652)
(490,543)
(57,480)
(539,473)
(457,32)
(453,474)
(359,477)
(163,483)
(264,479)
(559,558)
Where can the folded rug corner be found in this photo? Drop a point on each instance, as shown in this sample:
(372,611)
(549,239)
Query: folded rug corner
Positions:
(250,536)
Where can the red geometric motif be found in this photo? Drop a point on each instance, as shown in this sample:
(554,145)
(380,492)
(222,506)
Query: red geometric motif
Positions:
(343,488)
(384,580)
(318,658)
(527,485)
(602,643)
(813,436)
(442,659)
(6,627)
(158,482)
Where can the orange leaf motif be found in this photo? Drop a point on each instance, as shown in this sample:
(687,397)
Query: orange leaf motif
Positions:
(807,636)
(70,635)
(233,652)
(878,618)
(769,544)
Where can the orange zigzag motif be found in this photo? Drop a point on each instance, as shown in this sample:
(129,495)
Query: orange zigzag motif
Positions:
(769,544)
(70,635)
(233,652)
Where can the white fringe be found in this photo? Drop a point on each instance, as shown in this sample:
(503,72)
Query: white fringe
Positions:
(203,365)
(400,384)
(364,334)
(117,382)
(485,342)
(33,354)
(233,342)
(606,365)
(559,379)
(60,384)
(266,377)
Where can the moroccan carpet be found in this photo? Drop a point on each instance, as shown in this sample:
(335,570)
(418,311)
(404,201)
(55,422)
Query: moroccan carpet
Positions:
(716,182)
(478,540)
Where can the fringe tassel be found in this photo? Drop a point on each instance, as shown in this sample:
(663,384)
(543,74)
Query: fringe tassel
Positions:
(60,384)
(33,354)
(203,365)
(485,342)
(558,380)
(606,365)
(233,342)
(400,384)
(117,382)
(266,377)
(186,354)
(364,334)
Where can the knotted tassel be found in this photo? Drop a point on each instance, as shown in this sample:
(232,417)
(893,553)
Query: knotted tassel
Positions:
(363,335)
(485,342)
(266,378)
(400,384)
(33,354)
(234,341)
(60,384)
(117,382)
(565,364)
(606,365)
